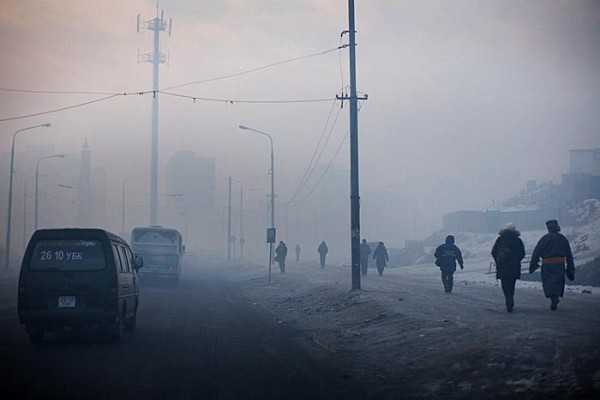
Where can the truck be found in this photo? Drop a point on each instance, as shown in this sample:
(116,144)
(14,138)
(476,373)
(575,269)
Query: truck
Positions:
(162,250)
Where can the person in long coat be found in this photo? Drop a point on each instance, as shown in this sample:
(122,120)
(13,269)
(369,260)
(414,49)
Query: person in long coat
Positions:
(365,252)
(557,261)
(508,252)
(323,250)
(381,257)
(446,257)
(280,255)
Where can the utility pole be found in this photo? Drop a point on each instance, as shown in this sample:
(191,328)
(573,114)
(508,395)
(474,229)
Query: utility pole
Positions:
(156,25)
(242,240)
(354,188)
(229,222)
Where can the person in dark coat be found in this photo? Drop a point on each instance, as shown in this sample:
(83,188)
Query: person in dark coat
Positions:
(365,252)
(298,249)
(446,257)
(323,250)
(555,251)
(280,255)
(380,255)
(508,251)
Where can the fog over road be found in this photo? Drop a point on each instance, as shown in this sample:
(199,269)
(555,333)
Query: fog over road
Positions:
(224,334)
(199,340)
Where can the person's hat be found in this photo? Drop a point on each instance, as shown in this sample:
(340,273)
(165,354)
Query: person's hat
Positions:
(510,227)
(552,225)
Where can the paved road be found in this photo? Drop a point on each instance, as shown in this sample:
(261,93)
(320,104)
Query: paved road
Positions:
(201,340)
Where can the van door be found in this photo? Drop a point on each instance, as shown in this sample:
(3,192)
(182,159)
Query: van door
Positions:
(128,276)
(122,282)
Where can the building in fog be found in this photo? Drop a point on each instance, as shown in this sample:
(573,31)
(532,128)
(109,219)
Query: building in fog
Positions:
(190,203)
(584,162)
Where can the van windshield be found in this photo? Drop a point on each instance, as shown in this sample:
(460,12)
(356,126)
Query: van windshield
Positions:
(68,255)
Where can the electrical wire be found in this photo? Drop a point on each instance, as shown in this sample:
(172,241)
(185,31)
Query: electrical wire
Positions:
(326,170)
(28,91)
(319,150)
(64,108)
(247,101)
(304,177)
(256,69)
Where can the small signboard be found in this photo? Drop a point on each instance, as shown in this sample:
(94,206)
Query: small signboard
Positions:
(271,234)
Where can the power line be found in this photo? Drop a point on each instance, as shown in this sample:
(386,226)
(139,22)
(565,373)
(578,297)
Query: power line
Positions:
(326,170)
(309,167)
(64,108)
(322,148)
(82,92)
(247,101)
(256,69)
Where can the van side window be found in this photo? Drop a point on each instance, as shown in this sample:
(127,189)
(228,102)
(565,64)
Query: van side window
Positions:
(118,261)
(130,258)
(125,259)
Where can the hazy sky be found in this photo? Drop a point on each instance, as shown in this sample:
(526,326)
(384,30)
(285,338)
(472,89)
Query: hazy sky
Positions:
(468,99)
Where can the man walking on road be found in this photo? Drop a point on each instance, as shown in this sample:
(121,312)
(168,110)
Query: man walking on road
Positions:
(298,249)
(381,257)
(280,255)
(365,252)
(508,251)
(446,257)
(323,250)
(555,251)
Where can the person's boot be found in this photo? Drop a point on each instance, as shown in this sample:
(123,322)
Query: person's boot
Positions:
(554,303)
(510,305)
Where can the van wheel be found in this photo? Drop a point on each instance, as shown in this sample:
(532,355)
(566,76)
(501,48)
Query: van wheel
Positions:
(131,323)
(36,335)
(116,330)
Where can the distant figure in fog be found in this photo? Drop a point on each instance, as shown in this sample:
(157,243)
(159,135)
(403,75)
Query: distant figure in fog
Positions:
(280,255)
(323,250)
(446,257)
(381,257)
(365,252)
(298,250)
(555,251)
(508,251)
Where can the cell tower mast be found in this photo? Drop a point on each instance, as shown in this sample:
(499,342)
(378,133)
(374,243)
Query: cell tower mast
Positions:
(156,57)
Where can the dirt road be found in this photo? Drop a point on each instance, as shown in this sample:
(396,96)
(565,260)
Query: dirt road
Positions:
(225,334)
(200,340)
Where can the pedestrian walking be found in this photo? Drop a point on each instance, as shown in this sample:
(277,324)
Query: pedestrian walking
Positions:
(298,249)
(323,250)
(381,257)
(446,257)
(365,252)
(508,252)
(557,261)
(280,255)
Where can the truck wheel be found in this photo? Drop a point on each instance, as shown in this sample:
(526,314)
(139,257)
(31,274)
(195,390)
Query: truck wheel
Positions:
(36,334)
(116,330)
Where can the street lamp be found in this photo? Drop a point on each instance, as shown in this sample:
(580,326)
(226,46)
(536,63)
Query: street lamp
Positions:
(37,178)
(243,127)
(10,188)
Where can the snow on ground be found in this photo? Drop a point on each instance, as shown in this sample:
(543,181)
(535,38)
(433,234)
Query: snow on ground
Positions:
(407,337)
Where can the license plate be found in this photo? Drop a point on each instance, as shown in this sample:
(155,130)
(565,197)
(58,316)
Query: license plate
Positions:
(66,302)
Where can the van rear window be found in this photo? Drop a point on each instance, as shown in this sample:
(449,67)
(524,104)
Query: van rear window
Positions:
(68,255)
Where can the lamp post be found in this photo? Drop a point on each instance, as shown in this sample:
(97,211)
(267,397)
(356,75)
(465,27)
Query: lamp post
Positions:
(10,189)
(272,189)
(37,178)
